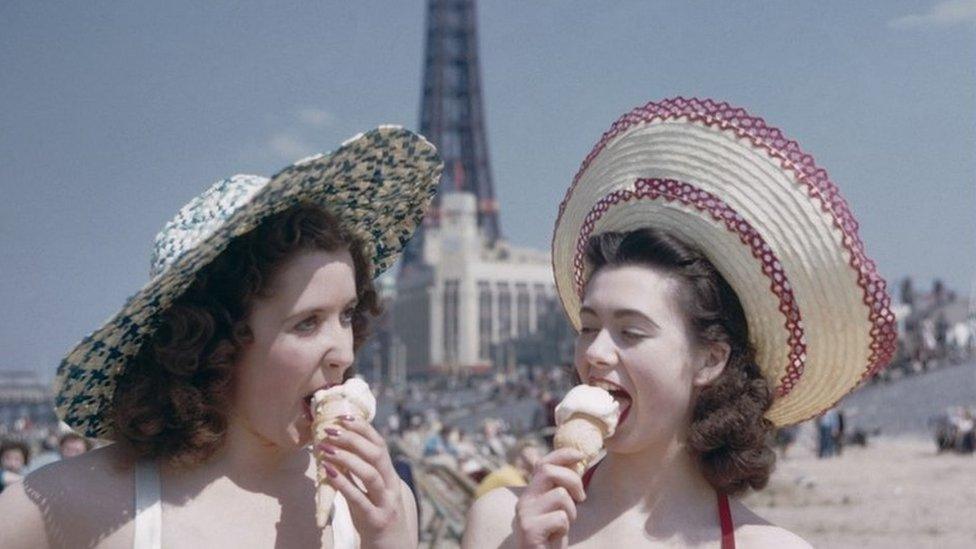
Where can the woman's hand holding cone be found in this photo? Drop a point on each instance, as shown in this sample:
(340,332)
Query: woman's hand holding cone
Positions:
(547,506)
(355,450)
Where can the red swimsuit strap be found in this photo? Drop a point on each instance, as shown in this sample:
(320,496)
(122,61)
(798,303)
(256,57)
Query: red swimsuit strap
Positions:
(725,519)
(588,474)
(724,512)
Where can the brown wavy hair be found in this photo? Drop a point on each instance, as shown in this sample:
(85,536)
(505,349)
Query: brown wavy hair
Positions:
(729,433)
(172,399)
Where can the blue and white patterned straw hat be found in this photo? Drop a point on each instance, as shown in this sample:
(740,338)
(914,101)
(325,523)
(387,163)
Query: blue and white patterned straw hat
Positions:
(378,184)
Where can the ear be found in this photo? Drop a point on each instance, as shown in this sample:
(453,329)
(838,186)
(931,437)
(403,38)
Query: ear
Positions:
(713,360)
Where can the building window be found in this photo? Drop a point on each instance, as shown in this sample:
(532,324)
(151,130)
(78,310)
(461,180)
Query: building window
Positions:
(541,305)
(504,312)
(451,322)
(485,317)
(522,308)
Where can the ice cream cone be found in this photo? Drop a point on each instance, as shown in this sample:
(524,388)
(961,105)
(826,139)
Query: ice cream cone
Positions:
(350,399)
(586,416)
(582,433)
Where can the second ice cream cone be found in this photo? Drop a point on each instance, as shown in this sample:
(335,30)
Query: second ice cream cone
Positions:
(581,433)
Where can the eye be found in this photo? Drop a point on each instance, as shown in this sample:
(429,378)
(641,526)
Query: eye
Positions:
(307,325)
(348,315)
(588,330)
(633,334)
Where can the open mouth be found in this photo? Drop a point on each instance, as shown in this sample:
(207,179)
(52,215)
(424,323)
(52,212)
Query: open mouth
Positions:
(618,393)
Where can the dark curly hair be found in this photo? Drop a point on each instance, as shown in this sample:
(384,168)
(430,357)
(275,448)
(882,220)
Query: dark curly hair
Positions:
(729,434)
(172,399)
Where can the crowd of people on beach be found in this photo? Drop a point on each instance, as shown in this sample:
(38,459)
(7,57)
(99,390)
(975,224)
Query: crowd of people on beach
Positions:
(470,428)
(25,448)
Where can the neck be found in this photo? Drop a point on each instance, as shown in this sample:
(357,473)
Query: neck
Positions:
(246,458)
(661,483)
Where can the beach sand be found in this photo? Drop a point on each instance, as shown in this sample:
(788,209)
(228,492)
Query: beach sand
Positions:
(896,492)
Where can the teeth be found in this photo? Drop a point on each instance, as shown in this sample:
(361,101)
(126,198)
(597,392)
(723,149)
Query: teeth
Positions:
(606,385)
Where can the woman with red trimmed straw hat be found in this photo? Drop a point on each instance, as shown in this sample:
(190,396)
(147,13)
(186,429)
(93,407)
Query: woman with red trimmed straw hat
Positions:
(260,291)
(720,290)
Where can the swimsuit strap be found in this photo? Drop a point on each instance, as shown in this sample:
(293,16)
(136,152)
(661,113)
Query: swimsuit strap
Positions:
(725,519)
(588,474)
(148,508)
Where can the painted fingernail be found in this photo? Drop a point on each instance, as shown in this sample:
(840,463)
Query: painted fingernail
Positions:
(327,449)
(330,471)
(332,432)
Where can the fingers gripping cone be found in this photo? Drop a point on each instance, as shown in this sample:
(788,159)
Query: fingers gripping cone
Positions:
(353,398)
(585,418)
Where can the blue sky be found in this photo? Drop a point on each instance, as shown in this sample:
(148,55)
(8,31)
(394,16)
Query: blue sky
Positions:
(112,115)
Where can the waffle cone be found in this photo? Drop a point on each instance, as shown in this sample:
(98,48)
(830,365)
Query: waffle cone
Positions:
(327,414)
(582,433)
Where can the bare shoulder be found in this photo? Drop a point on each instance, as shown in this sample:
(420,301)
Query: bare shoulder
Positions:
(751,530)
(59,501)
(490,519)
(21,520)
(106,469)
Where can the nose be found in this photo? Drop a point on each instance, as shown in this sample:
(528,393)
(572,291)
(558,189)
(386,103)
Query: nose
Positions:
(601,352)
(337,352)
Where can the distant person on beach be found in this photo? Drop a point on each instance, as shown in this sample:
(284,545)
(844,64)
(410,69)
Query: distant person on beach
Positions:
(72,445)
(14,460)
(785,438)
(828,426)
(14,456)
(522,458)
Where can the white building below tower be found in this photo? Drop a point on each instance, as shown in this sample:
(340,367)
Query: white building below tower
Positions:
(463,310)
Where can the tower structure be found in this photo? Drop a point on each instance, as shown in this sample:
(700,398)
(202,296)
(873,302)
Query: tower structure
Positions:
(452,117)
(466,300)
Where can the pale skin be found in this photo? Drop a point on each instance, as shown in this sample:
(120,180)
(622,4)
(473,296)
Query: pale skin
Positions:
(648,491)
(258,490)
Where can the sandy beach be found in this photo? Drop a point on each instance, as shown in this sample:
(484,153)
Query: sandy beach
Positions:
(896,492)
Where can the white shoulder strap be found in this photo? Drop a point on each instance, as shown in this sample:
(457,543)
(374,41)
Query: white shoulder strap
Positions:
(344,535)
(149,510)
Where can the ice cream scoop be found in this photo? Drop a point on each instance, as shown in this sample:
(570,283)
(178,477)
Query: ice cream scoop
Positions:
(586,417)
(352,398)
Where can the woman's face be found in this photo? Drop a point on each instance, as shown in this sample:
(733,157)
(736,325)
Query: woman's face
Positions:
(302,341)
(634,341)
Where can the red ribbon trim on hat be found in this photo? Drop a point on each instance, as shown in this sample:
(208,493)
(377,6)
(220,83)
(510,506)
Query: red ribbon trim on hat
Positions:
(805,170)
(690,195)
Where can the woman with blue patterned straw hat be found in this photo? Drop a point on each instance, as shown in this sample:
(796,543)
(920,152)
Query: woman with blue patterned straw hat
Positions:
(719,289)
(261,290)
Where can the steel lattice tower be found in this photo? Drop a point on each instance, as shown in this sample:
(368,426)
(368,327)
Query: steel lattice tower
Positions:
(452,114)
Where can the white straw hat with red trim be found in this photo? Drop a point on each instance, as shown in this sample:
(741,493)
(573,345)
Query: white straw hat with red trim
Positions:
(768,218)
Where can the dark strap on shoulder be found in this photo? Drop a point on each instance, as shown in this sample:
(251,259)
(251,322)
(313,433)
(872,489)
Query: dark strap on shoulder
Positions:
(724,512)
(588,474)
(725,519)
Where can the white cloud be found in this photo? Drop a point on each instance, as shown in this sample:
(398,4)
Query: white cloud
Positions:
(289,146)
(943,14)
(316,118)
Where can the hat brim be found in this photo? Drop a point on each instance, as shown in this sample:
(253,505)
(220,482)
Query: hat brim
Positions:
(379,184)
(769,220)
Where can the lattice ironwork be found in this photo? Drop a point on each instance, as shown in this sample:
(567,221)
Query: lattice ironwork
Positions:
(452,114)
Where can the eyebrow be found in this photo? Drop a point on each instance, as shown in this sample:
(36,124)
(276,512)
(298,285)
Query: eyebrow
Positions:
(352,303)
(622,313)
